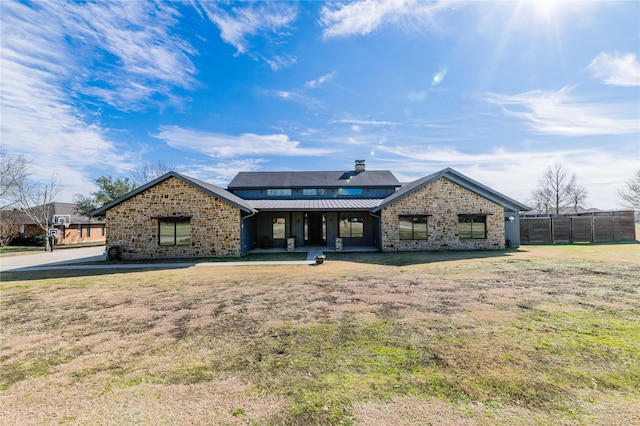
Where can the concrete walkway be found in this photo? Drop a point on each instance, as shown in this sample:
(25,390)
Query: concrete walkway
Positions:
(72,259)
(69,259)
(56,258)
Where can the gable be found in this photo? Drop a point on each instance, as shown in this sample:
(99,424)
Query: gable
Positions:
(206,188)
(459,179)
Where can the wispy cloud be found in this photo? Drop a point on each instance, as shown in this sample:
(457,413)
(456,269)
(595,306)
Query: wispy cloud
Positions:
(616,69)
(312,84)
(516,173)
(61,62)
(366,122)
(560,113)
(221,173)
(219,145)
(366,16)
(279,62)
(251,19)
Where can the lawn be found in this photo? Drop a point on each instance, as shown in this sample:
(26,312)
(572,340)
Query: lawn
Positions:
(540,335)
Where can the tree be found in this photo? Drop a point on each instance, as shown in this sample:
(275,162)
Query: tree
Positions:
(36,201)
(630,194)
(14,172)
(558,189)
(10,225)
(150,171)
(109,190)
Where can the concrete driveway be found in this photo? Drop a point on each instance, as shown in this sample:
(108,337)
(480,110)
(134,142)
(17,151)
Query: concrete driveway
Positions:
(59,256)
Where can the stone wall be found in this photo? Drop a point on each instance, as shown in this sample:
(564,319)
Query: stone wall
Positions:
(443,200)
(133,224)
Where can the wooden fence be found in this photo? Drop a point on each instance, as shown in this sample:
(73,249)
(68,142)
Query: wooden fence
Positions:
(578,228)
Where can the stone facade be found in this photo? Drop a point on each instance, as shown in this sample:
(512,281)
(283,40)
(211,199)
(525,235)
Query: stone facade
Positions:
(134,224)
(443,201)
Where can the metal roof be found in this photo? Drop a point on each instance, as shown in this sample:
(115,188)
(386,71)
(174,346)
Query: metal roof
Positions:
(315,204)
(373,178)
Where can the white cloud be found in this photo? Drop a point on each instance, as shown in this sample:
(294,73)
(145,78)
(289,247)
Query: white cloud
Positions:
(237,24)
(312,84)
(280,62)
(218,145)
(56,56)
(221,173)
(616,69)
(366,122)
(516,174)
(560,113)
(366,16)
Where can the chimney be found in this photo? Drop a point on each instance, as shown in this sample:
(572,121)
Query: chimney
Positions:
(359,166)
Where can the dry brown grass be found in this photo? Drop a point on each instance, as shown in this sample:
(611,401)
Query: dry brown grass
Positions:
(546,335)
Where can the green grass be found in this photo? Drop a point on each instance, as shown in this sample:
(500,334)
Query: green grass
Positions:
(546,335)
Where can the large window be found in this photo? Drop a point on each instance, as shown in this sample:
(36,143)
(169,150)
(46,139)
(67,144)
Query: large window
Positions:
(351,227)
(279,228)
(472,227)
(175,231)
(413,227)
(281,192)
(350,191)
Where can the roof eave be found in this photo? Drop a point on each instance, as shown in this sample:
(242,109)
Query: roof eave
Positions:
(103,210)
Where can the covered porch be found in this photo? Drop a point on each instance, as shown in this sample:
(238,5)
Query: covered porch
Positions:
(311,225)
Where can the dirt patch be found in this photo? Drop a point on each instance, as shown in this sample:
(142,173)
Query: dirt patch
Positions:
(542,335)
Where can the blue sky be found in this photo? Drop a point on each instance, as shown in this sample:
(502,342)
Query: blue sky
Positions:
(496,90)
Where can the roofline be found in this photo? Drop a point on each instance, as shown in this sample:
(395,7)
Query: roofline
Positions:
(462,180)
(102,210)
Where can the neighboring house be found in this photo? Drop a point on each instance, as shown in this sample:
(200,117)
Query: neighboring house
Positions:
(71,228)
(176,215)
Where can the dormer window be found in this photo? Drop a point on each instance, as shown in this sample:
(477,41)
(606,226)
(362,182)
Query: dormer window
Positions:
(314,192)
(350,191)
(280,192)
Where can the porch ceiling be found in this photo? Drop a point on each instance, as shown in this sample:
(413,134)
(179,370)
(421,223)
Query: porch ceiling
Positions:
(315,204)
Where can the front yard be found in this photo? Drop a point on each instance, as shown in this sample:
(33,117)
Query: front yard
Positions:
(543,335)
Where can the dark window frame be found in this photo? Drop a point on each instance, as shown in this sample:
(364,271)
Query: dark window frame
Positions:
(175,221)
(469,218)
(350,220)
(283,225)
(279,192)
(413,219)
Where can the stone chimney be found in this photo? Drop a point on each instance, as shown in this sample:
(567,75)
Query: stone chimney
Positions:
(359,166)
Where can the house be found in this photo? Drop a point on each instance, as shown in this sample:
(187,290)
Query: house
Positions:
(176,215)
(69,226)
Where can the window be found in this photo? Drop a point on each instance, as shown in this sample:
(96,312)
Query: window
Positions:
(472,227)
(175,231)
(79,231)
(351,227)
(413,227)
(102,230)
(350,191)
(88,229)
(279,228)
(316,192)
(283,192)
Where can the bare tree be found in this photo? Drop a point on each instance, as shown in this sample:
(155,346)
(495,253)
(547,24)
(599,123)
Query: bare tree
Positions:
(14,172)
(150,171)
(36,201)
(10,225)
(558,189)
(630,194)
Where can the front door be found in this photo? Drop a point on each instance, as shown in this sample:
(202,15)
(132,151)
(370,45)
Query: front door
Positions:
(316,228)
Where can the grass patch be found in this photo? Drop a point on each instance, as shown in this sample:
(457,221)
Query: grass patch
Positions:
(515,337)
